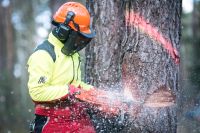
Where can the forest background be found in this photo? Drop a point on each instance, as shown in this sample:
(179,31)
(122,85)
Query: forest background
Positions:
(24,24)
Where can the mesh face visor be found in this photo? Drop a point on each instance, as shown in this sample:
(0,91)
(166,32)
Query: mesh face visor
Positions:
(75,43)
(81,42)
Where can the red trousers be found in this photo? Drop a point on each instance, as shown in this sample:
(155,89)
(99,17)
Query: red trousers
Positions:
(71,119)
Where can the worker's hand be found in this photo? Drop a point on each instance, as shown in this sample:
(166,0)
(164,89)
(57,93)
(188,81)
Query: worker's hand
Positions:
(73,91)
(87,96)
(104,101)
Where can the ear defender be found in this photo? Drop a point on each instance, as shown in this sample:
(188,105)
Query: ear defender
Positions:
(63,30)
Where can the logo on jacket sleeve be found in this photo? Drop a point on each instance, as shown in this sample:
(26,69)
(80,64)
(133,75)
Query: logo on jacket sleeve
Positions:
(42,80)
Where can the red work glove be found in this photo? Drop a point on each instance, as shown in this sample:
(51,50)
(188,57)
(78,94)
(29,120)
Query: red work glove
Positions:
(73,91)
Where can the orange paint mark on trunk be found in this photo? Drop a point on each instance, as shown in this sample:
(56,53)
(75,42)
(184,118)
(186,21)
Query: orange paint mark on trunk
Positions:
(136,20)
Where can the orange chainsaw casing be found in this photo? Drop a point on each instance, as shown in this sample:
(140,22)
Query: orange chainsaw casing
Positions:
(105,101)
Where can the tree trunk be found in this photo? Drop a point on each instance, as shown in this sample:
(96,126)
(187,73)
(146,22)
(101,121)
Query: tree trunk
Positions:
(196,41)
(6,63)
(54,5)
(134,51)
(196,24)
(6,39)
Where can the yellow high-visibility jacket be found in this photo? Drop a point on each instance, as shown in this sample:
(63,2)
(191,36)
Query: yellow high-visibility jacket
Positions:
(49,80)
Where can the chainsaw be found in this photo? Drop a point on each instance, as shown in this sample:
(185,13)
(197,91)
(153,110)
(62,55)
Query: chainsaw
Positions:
(116,103)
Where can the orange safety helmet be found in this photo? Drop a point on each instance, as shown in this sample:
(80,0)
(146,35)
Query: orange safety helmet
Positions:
(82,18)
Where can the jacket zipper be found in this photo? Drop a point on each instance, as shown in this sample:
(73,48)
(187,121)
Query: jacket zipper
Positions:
(79,62)
(73,69)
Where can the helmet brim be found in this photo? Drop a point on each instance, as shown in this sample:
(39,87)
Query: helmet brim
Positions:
(90,33)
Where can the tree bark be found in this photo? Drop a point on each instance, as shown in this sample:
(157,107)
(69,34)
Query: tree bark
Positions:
(129,53)
(6,39)
(196,41)
(196,24)
(54,5)
(6,63)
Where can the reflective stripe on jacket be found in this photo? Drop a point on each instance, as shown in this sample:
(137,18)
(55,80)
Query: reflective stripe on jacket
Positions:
(48,80)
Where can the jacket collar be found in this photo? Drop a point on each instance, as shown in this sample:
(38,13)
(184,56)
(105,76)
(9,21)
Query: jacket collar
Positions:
(54,41)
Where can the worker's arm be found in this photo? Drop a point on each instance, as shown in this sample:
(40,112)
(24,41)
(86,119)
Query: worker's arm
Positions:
(97,98)
(80,84)
(40,69)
